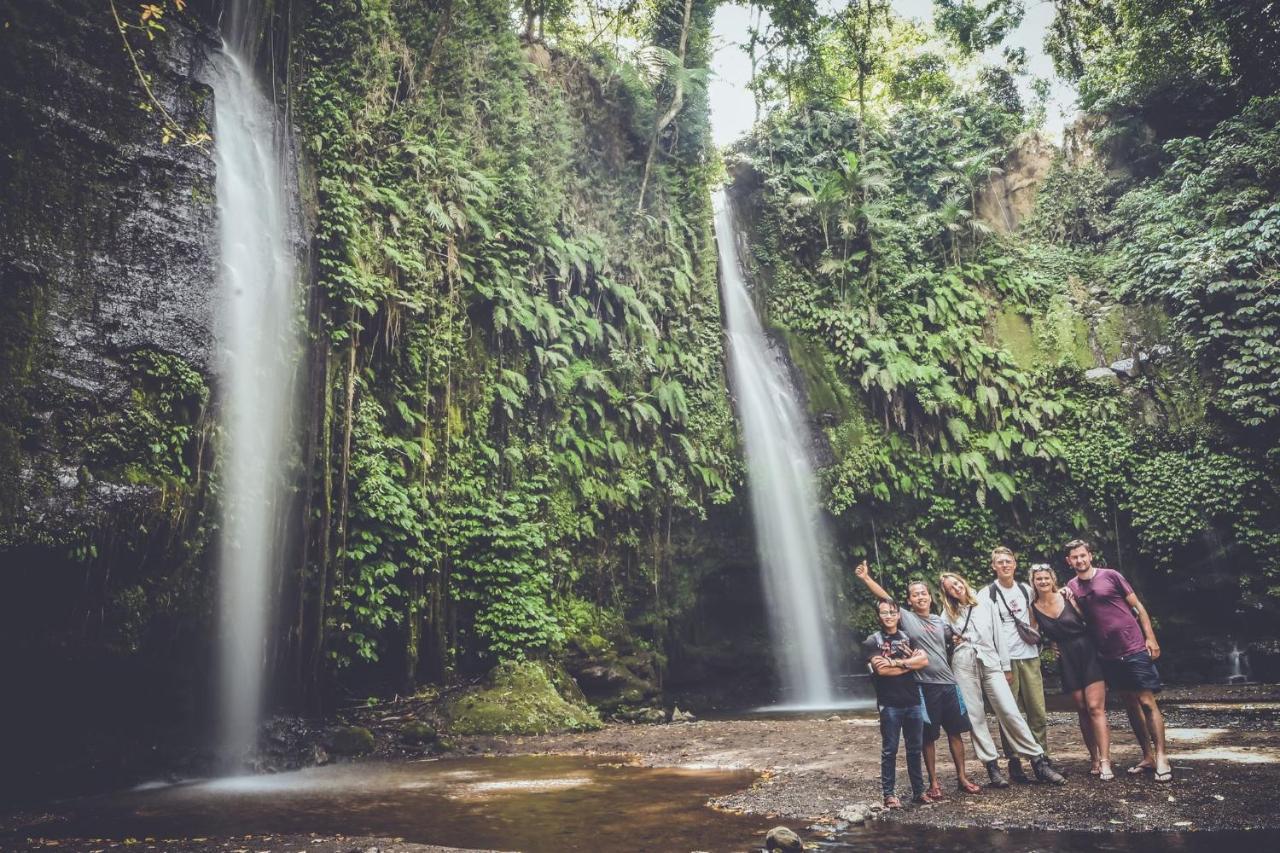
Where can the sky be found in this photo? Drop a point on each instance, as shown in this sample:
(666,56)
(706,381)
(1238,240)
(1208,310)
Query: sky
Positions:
(732,109)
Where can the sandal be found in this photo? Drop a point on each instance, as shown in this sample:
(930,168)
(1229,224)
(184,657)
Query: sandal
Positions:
(1139,769)
(968,787)
(936,792)
(1164,775)
(924,799)
(892,802)
(1105,773)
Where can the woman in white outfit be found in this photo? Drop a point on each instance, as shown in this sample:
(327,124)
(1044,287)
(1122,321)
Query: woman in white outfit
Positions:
(981,666)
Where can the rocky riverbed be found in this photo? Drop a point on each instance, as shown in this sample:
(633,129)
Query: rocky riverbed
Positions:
(1225,749)
(1224,744)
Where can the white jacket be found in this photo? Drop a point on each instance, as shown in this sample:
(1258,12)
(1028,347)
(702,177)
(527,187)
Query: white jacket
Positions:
(983,633)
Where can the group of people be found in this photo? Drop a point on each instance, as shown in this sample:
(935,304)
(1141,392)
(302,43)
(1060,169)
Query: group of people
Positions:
(936,672)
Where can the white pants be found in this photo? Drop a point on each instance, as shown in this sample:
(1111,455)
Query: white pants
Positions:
(976,680)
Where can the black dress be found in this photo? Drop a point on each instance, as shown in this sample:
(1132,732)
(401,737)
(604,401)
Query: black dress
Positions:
(1077,656)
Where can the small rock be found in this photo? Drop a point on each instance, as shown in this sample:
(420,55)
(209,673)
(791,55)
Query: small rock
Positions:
(678,716)
(1097,373)
(856,813)
(1125,367)
(781,838)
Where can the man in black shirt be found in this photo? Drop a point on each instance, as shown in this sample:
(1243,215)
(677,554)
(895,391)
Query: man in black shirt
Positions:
(894,660)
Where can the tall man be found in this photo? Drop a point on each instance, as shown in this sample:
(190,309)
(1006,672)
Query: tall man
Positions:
(1012,601)
(938,684)
(894,662)
(1127,650)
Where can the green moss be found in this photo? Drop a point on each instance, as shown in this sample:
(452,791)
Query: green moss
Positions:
(1014,333)
(1061,334)
(352,740)
(521,698)
(824,392)
(416,731)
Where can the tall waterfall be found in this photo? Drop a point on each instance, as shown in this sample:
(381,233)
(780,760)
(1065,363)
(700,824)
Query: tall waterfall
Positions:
(790,537)
(257,350)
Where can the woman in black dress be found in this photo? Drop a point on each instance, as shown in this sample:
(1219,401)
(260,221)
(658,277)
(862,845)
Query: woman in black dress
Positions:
(1058,618)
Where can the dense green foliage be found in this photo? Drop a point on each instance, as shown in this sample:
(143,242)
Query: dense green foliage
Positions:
(974,424)
(523,383)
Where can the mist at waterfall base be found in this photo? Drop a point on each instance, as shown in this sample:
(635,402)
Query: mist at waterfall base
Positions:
(256,356)
(790,537)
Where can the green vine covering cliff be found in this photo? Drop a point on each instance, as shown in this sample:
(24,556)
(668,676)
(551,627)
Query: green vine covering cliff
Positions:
(521,386)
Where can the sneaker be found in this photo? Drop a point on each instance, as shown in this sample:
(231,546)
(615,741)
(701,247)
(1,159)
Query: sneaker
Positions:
(1015,772)
(1045,773)
(994,774)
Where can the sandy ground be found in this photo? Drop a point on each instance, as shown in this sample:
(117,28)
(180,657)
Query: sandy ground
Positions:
(1224,744)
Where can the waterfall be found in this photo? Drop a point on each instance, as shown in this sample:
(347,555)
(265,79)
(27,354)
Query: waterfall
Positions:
(790,536)
(257,350)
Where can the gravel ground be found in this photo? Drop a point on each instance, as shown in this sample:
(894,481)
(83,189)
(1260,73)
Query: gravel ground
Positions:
(1224,746)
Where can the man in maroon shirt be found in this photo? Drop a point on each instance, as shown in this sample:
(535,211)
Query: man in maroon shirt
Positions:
(1127,650)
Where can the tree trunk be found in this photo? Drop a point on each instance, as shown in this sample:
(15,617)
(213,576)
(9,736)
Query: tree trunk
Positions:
(677,103)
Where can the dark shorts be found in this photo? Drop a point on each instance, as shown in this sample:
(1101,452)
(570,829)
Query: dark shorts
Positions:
(1132,673)
(946,711)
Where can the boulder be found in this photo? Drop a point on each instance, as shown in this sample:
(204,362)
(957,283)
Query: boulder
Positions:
(519,697)
(416,731)
(781,838)
(351,740)
(1100,374)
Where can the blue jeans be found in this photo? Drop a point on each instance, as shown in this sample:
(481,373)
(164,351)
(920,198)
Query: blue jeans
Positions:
(893,723)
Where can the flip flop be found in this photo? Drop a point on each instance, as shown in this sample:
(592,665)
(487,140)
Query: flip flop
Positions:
(1166,776)
(892,802)
(1106,775)
(971,788)
(1139,769)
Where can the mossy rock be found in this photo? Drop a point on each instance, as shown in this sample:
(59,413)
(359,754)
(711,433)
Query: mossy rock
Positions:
(520,698)
(416,731)
(352,740)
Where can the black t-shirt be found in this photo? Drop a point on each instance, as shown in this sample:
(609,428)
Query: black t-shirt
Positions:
(893,691)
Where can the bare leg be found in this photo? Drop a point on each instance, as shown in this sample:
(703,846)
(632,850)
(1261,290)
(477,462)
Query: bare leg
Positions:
(1095,698)
(1138,720)
(956,742)
(931,765)
(1086,728)
(1155,728)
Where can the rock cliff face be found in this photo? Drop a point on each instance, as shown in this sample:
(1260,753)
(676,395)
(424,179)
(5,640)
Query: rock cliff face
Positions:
(107,268)
(1010,196)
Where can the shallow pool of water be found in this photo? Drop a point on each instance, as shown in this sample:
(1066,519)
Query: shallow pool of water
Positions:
(536,804)
(530,803)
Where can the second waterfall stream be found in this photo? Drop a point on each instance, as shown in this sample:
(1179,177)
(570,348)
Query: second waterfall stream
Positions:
(790,536)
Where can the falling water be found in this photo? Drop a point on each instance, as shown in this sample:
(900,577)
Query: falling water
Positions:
(1239,666)
(789,532)
(256,358)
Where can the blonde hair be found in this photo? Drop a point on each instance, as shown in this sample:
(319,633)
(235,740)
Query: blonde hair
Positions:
(1003,550)
(1036,569)
(949,603)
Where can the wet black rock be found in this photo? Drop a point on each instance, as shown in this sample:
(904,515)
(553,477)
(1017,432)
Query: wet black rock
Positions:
(106,250)
(782,838)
